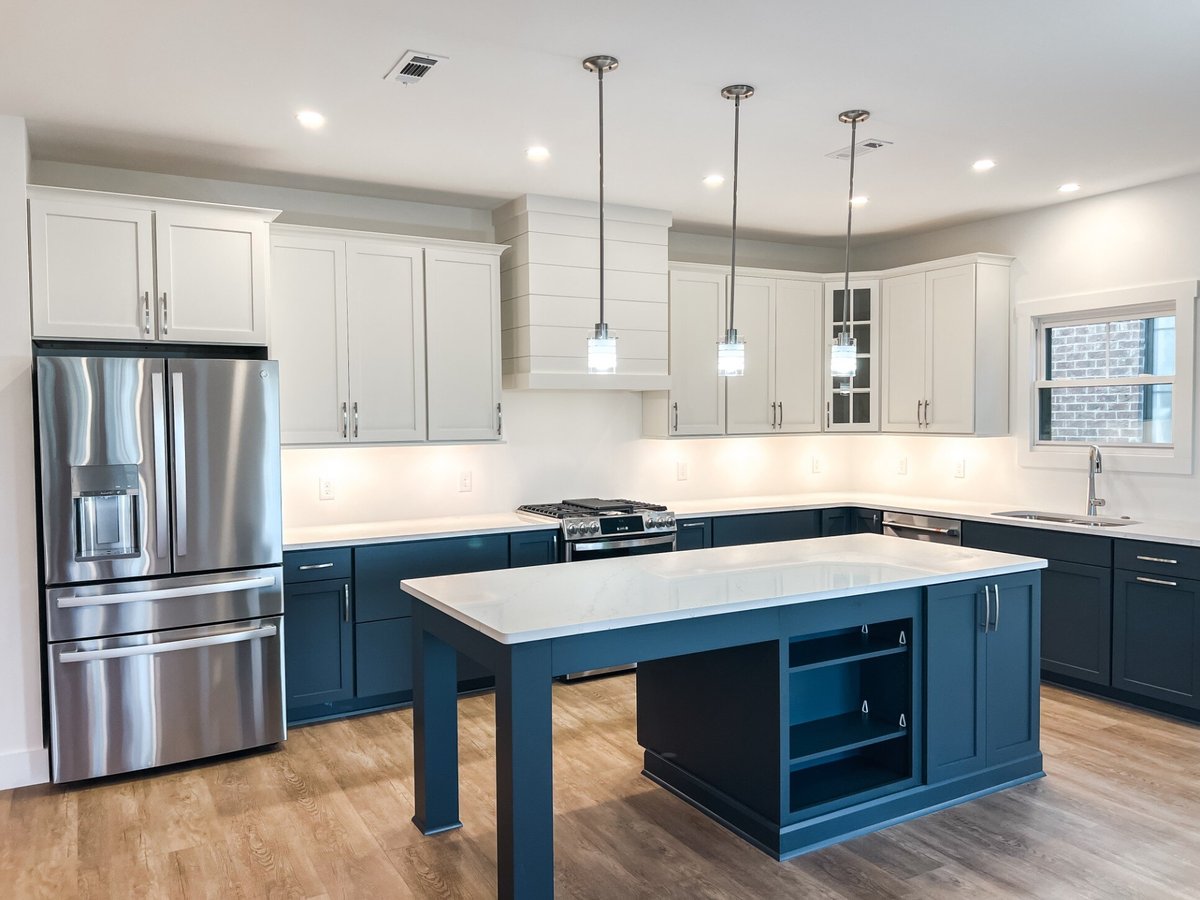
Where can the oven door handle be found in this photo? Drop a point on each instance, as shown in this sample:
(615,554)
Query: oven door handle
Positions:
(925,529)
(617,543)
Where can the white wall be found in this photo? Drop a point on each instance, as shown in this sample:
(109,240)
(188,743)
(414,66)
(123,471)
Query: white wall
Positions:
(683,246)
(23,759)
(1144,235)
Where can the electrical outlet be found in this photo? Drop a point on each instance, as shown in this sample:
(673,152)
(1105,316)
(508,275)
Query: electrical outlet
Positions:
(816,465)
(325,488)
(902,466)
(681,471)
(960,468)
(464,482)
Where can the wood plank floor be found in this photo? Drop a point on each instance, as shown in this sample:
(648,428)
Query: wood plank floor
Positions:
(327,815)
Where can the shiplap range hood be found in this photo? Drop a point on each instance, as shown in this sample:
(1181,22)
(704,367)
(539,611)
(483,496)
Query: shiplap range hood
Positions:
(550,288)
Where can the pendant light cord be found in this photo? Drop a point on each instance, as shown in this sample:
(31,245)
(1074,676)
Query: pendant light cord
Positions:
(737,121)
(849,222)
(600,80)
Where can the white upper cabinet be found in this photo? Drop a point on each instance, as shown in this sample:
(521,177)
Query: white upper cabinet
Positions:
(462,328)
(695,404)
(798,355)
(749,397)
(114,267)
(852,404)
(945,334)
(383,340)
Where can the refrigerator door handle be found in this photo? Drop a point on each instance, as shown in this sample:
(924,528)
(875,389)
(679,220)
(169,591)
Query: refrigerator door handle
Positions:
(158,407)
(194,590)
(233,637)
(178,442)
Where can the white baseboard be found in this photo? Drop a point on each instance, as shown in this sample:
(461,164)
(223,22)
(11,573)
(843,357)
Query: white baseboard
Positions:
(19,768)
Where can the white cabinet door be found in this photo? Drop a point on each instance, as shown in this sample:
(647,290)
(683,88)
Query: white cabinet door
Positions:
(384,291)
(748,396)
(91,270)
(308,338)
(798,354)
(211,267)
(696,401)
(462,330)
(905,333)
(950,350)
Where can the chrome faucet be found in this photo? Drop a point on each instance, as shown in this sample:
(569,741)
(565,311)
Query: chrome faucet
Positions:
(1095,467)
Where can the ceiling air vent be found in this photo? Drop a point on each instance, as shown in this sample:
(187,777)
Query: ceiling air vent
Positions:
(864,146)
(413,67)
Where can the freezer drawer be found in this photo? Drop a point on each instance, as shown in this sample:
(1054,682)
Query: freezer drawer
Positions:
(142,700)
(102,610)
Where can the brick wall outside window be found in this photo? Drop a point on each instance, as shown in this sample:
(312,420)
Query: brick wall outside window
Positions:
(1109,414)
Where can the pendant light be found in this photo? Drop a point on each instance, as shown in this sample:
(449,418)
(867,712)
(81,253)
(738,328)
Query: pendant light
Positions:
(843,356)
(731,352)
(601,349)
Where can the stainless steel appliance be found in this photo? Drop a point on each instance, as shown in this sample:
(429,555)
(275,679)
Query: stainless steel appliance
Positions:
(161,557)
(602,529)
(931,529)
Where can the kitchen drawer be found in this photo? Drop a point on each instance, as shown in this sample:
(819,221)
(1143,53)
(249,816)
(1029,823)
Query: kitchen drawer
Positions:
(1084,549)
(761,528)
(1158,559)
(316,565)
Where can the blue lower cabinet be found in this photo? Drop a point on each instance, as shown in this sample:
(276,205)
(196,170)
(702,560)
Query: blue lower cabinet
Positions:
(761,528)
(981,675)
(383,661)
(532,548)
(1077,621)
(867,521)
(839,520)
(1156,636)
(693,534)
(318,643)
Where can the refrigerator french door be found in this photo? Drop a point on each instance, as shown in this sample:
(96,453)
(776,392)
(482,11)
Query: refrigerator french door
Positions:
(161,550)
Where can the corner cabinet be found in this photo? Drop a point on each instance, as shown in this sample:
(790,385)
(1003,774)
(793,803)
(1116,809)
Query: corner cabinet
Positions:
(384,339)
(122,268)
(945,348)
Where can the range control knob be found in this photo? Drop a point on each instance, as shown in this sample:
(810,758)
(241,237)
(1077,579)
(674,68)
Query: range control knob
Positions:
(572,530)
(594,528)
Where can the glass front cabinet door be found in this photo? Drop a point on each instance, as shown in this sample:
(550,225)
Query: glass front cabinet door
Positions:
(852,404)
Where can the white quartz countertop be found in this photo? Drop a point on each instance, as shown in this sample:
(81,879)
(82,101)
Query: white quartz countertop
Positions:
(539,602)
(316,537)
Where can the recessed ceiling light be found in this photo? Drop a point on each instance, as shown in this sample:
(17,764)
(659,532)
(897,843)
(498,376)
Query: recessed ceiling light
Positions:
(860,200)
(1069,188)
(982,165)
(714,180)
(537,154)
(310,118)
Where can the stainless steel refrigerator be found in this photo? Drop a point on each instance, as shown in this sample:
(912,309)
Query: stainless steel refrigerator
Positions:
(161,552)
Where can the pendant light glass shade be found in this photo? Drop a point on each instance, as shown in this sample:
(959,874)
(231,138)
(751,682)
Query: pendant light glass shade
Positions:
(731,352)
(843,355)
(601,349)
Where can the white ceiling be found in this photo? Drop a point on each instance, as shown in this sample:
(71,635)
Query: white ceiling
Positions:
(1103,92)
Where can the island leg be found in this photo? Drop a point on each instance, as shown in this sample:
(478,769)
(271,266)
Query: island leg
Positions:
(435,730)
(525,774)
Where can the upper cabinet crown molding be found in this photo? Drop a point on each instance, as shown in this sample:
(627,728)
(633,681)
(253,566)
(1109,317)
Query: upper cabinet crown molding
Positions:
(285,228)
(126,268)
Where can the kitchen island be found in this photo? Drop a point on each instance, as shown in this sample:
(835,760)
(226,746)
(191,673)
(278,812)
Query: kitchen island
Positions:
(798,692)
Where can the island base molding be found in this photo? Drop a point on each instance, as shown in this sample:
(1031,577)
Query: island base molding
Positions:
(804,837)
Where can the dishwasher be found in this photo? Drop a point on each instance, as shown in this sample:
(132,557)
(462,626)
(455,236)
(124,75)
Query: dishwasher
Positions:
(931,529)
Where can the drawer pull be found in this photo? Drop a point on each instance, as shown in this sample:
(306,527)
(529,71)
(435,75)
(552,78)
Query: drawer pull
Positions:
(1157,581)
(691,524)
(1159,559)
(311,566)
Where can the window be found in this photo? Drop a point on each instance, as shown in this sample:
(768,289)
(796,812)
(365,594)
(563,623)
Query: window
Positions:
(1108,381)
(1113,369)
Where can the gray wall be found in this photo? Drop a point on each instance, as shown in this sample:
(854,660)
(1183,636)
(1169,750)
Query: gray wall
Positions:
(684,246)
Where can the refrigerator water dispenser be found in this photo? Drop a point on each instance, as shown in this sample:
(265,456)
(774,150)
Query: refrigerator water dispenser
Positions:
(106,501)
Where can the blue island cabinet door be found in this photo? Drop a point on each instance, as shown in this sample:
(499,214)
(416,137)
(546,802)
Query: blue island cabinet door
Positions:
(955,686)
(1013,670)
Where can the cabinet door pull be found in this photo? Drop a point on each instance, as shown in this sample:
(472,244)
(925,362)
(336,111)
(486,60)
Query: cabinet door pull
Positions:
(345,421)
(163,303)
(780,413)
(918,413)
(828,415)
(346,602)
(691,524)
(146,311)
(773,415)
(1162,581)
(311,566)
(355,418)
(675,411)
(996,623)
(987,609)
(1159,559)
(499,419)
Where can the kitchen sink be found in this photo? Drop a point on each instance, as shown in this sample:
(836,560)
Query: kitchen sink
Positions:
(1064,519)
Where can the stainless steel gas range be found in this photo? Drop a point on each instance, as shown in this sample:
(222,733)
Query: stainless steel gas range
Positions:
(592,528)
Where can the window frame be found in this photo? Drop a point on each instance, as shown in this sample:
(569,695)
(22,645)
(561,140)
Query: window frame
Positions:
(1033,319)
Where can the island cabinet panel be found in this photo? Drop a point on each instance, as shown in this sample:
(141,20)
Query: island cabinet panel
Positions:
(982,653)
(693,534)
(728,531)
(532,548)
(1156,636)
